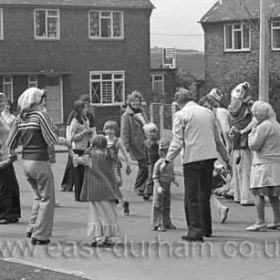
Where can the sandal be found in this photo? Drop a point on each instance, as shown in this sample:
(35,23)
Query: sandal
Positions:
(257,227)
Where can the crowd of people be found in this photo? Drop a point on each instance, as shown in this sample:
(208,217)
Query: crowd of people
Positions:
(237,147)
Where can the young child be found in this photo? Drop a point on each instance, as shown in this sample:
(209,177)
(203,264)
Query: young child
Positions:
(152,155)
(161,196)
(114,145)
(100,189)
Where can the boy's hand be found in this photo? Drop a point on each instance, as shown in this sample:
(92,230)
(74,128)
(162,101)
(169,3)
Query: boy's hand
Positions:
(159,189)
(128,170)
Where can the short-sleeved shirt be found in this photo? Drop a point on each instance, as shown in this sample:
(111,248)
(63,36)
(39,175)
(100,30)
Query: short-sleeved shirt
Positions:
(166,176)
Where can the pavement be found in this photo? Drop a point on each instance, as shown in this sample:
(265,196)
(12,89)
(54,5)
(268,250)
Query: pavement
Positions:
(142,254)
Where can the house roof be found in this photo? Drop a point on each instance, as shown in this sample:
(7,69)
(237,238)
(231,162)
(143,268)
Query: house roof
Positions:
(134,4)
(229,10)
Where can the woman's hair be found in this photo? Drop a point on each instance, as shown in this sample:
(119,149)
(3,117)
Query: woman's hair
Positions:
(99,142)
(135,94)
(85,98)
(262,111)
(78,107)
(10,103)
(111,125)
(150,127)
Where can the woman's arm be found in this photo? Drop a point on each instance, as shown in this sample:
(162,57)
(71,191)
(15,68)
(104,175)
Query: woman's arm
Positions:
(124,152)
(258,136)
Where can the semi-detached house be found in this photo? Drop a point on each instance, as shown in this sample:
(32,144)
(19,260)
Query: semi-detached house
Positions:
(231,32)
(95,47)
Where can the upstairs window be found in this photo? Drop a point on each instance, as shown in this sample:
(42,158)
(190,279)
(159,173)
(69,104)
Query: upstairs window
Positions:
(107,87)
(7,83)
(105,25)
(47,25)
(237,37)
(275,35)
(157,84)
(1,24)
(32,81)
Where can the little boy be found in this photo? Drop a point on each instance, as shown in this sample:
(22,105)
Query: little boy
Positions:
(161,195)
(152,155)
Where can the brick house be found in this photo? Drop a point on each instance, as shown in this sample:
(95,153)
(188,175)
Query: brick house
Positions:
(231,32)
(70,47)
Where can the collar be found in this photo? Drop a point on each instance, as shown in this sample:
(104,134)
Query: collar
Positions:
(130,111)
(189,104)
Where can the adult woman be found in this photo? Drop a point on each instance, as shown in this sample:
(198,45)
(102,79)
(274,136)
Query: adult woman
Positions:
(133,136)
(80,134)
(6,114)
(9,189)
(33,130)
(264,141)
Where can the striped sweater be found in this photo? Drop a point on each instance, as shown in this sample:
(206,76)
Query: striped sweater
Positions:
(35,133)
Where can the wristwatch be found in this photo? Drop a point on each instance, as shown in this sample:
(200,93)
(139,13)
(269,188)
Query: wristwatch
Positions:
(167,161)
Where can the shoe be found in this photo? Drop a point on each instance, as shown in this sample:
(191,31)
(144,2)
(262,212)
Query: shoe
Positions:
(57,203)
(155,228)
(139,192)
(273,225)
(28,234)
(126,208)
(146,196)
(247,204)
(102,244)
(13,220)
(192,239)
(35,241)
(208,234)
(223,214)
(171,226)
(4,222)
(257,227)
(161,228)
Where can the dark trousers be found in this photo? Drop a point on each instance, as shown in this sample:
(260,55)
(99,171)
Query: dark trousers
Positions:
(149,186)
(78,176)
(198,185)
(9,194)
(142,176)
(68,178)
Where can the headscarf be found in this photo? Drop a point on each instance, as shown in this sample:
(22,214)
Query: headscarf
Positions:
(31,96)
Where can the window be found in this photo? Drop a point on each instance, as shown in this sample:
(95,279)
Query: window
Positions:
(8,87)
(32,81)
(275,35)
(237,37)
(47,25)
(105,24)
(107,87)
(1,24)
(158,84)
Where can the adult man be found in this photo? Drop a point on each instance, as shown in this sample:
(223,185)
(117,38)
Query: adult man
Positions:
(194,130)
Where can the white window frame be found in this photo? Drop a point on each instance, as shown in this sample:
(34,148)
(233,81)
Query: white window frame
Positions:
(1,25)
(111,18)
(100,80)
(32,81)
(46,24)
(153,76)
(272,29)
(10,83)
(232,49)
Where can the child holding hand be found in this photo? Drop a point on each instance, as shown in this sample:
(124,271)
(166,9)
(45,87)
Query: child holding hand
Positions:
(161,195)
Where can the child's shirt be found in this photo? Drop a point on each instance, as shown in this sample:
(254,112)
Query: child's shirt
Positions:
(151,151)
(165,177)
(115,146)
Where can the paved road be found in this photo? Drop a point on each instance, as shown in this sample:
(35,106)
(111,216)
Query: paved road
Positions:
(232,253)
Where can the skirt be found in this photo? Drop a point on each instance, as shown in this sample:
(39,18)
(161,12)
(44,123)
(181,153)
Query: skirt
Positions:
(103,220)
(265,179)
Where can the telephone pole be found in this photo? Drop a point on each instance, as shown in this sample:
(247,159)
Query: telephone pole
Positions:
(264,57)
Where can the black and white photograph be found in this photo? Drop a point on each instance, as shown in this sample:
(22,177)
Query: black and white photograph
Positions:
(139,139)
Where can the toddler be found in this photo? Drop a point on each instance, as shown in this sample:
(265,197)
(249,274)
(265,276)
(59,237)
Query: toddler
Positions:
(161,195)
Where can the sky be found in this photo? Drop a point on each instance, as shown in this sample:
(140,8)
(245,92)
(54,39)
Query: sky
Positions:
(173,17)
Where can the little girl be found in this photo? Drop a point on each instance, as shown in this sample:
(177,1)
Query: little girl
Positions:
(161,196)
(114,144)
(100,189)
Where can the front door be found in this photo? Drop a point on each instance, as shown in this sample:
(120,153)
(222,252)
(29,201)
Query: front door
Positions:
(54,98)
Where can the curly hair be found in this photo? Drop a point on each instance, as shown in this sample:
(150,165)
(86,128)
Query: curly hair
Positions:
(135,94)
(262,111)
(78,107)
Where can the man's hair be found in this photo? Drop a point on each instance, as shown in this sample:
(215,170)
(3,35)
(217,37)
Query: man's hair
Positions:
(183,96)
